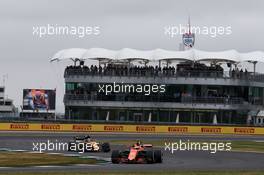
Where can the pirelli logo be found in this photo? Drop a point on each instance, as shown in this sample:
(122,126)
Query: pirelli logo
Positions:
(113,128)
(211,130)
(81,127)
(178,129)
(145,128)
(19,126)
(50,127)
(244,130)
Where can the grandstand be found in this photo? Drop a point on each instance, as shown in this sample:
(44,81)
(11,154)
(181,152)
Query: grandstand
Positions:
(200,87)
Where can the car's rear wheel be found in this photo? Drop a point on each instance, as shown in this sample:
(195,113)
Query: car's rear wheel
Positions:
(158,156)
(150,156)
(105,147)
(115,157)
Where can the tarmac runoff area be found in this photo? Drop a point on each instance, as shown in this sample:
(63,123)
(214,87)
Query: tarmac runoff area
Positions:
(180,160)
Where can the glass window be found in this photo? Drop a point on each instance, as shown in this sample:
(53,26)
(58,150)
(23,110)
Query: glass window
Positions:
(69,86)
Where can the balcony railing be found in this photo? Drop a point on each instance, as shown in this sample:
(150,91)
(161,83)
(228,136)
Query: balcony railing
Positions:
(251,76)
(153,99)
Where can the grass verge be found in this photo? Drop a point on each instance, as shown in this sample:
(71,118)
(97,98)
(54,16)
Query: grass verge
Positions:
(23,159)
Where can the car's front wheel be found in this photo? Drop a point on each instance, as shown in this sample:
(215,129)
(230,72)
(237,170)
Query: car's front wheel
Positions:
(105,147)
(158,156)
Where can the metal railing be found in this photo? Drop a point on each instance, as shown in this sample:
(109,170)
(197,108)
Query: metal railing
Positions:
(78,121)
(153,99)
(251,76)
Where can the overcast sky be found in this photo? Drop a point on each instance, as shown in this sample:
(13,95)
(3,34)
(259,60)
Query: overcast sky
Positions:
(123,23)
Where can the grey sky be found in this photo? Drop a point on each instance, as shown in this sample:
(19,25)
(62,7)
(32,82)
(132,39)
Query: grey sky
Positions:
(124,23)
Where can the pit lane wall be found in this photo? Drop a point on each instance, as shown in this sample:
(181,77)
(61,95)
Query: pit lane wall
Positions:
(174,129)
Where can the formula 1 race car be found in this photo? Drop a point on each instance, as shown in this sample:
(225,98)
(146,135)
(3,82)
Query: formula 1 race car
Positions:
(138,153)
(86,144)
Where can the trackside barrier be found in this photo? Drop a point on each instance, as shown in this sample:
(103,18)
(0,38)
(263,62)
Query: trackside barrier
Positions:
(176,129)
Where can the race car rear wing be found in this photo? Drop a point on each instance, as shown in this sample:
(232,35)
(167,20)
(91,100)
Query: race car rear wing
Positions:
(147,145)
(82,137)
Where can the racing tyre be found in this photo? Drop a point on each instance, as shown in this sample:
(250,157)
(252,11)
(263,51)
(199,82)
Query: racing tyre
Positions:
(106,147)
(150,156)
(158,156)
(115,157)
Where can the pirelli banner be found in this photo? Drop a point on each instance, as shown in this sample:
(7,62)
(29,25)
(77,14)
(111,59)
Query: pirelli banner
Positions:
(173,129)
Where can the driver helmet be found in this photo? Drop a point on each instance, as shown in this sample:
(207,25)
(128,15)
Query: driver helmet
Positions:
(138,143)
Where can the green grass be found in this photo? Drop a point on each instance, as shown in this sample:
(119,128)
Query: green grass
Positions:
(248,146)
(151,173)
(23,159)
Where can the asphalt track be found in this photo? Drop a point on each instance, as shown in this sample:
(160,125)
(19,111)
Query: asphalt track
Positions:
(179,161)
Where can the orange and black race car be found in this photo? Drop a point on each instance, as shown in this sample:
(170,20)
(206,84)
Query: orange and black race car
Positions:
(138,153)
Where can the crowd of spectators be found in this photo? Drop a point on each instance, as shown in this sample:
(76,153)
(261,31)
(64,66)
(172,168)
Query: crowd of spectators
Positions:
(182,69)
(236,73)
(199,70)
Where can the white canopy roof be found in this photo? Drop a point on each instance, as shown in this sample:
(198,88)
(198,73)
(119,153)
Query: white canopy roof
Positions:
(99,53)
(157,54)
(260,113)
(161,54)
(132,54)
(225,56)
(73,53)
